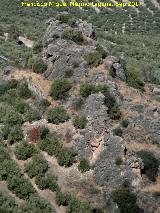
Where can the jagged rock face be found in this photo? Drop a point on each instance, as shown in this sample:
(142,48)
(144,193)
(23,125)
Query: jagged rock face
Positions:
(108,174)
(86,29)
(97,116)
(96,112)
(146,117)
(113,64)
(64,54)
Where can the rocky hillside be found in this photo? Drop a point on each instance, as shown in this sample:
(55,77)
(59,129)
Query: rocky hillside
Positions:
(79,129)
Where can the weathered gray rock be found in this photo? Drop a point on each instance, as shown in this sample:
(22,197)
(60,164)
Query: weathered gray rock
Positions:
(112,63)
(35,90)
(96,112)
(86,29)
(64,54)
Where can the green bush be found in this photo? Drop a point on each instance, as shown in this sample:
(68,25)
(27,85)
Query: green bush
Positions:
(37,166)
(63,198)
(51,145)
(25,150)
(37,204)
(60,89)
(9,168)
(102,52)
(37,47)
(57,115)
(125,200)
(68,73)
(84,165)
(44,132)
(133,77)
(7,204)
(66,157)
(118,131)
(80,122)
(32,114)
(87,89)
(66,18)
(44,104)
(151,164)
(73,35)
(114,112)
(23,90)
(74,205)
(21,107)
(125,123)
(20,186)
(37,65)
(93,58)
(15,134)
(47,182)
(8,115)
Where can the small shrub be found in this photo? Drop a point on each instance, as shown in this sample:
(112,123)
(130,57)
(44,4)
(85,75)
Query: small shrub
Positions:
(47,182)
(8,169)
(7,204)
(151,164)
(87,89)
(118,131)
(84,165)
(73,35)
(20,186)
(63,198)
(60,89)
(37,47)
(37,166)
(23,90)
(102,52)
(32,114)
(51,145)
(44,104)
(57,115)
(16,134)
(5,131)
(133,77)
(25,150)
(66,18)
(34,134)
(80,122)
(118,161)
(44,131)
(124,123)
(66,157)
(93,59)
(11,116)
(21,107)
(125,200)
(114,112)
(37,204)
(37,65)
(69,73)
